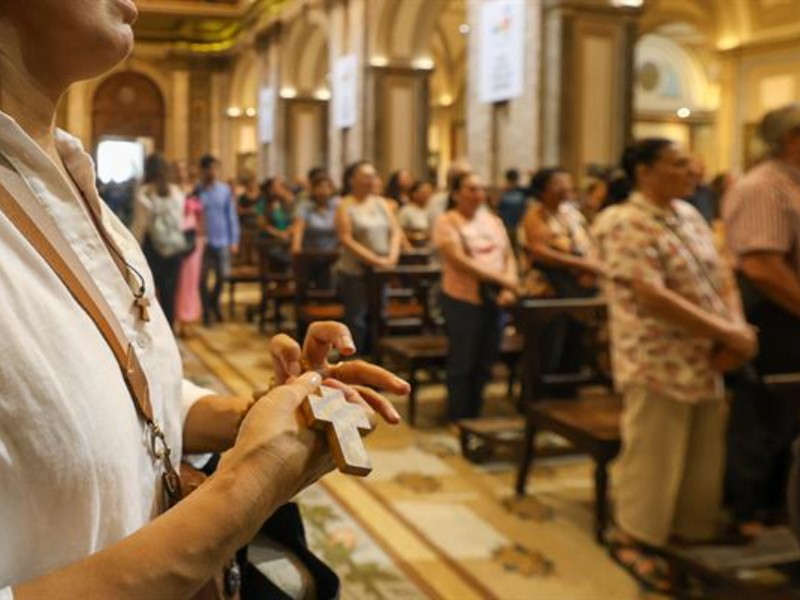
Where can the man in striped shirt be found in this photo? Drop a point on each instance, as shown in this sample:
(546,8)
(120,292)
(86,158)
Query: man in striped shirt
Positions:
(762,218)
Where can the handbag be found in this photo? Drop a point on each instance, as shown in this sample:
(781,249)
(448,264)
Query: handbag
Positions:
(38,228)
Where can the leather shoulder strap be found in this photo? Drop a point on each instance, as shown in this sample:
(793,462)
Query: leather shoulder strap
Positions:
(24,210)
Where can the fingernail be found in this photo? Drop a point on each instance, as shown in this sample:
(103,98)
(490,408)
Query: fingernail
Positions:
(395,414)
(314,378)
(346,343)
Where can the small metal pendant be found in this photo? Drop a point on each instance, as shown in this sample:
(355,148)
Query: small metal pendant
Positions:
(233,579)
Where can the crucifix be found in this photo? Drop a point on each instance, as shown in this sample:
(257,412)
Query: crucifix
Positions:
(343,423)
(142,303)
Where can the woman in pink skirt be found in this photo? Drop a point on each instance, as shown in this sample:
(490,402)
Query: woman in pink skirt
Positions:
(188,308)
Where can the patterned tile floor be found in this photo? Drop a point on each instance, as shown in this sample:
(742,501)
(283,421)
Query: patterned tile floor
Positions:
(427,523)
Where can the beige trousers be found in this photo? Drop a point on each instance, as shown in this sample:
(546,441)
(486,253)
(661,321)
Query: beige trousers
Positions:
(668,477)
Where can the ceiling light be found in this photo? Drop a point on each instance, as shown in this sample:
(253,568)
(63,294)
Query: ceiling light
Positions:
(234,112)
(684,113)
(422,63)
(463,29)
(288,92)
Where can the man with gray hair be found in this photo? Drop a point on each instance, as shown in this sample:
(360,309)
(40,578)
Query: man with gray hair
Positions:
(762,218)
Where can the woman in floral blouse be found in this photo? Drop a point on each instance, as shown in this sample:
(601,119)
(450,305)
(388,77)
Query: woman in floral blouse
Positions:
(676,325)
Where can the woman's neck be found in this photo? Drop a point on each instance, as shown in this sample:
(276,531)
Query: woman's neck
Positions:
(468,214)
(30,104)
(360,197)
(658,199)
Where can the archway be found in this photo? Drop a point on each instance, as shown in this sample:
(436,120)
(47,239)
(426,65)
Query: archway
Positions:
(674,96)
(129,105)
(305,93)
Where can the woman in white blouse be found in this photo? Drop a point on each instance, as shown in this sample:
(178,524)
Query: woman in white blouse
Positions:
(158,227)
(79,495)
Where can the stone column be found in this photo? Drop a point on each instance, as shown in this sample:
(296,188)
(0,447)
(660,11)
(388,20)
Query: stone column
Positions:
(200,113)
(587,59)
(505,134)
(270,159)
(178,141)
(348,27)
(399,97)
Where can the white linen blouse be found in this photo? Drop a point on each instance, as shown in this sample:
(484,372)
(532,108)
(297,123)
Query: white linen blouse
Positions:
(75,473)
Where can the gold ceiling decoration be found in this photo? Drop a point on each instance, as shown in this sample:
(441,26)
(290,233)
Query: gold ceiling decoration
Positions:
(208,26)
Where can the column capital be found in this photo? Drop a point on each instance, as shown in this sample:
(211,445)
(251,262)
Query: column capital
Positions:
(627,8)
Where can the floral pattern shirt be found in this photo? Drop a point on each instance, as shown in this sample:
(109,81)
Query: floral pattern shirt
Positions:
(671,247)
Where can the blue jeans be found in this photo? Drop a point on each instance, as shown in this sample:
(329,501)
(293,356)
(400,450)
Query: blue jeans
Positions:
(473,332)
(217,261)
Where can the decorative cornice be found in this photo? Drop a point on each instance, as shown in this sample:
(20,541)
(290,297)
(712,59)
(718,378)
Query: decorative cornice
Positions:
(193,27)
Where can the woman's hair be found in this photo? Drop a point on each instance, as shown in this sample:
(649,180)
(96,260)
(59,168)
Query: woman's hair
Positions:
(458,181)
(320,178)
(417,186)
(393,190)
(267,185)
(157,172)
(349,173)
(542,178)
(643,152)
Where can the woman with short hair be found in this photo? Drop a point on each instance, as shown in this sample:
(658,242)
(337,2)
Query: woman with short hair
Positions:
(676,324)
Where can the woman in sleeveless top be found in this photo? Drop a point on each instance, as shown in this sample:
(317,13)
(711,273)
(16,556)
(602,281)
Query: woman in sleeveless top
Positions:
(370,238)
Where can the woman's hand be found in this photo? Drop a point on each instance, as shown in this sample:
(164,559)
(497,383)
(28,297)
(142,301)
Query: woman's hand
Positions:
(290,361)
(725,360)
(506,298)
(273,439)
(741,339)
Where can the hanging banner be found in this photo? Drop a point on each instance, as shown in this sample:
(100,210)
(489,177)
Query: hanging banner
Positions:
(266,115)
(345,91)
(501,50)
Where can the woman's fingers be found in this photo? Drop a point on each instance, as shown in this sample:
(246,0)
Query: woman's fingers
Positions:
(321,337)
(286,356)
(354,397)
(359,372)
(380,404)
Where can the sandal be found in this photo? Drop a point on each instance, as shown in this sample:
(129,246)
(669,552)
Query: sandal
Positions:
(648,570)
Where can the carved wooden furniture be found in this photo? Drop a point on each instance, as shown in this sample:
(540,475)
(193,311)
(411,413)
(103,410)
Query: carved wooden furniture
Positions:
(590,423)
(316,297)
(411,354)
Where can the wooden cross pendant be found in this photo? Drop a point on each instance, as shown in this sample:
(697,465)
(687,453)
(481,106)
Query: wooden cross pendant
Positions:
(343,423)
(142,303)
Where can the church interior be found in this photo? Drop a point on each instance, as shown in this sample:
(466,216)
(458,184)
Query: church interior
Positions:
(294,105)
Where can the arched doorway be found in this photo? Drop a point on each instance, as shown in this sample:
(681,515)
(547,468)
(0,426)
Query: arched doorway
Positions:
(128,105)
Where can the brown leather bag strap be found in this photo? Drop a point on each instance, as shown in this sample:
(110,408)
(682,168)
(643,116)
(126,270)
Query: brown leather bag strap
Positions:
(24,210)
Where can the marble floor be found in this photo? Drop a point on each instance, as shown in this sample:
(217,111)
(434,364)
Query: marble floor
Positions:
(427,523)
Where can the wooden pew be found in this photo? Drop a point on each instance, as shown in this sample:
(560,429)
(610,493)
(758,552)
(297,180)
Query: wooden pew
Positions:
(412,354)
(315,303)
(276,281)
(589,422)
(244,267)
(407,311)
